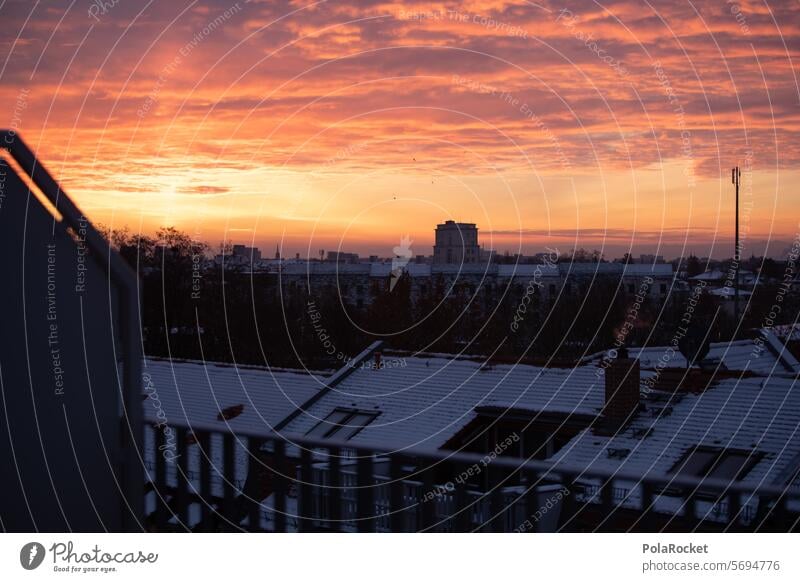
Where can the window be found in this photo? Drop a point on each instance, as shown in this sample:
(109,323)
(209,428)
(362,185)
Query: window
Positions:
(533,434)
(695,463)
(342,424)
(726,464)
(331,423)
(732,466)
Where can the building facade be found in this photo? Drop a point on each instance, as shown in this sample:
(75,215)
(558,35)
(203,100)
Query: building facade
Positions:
(359,284)
(456,242)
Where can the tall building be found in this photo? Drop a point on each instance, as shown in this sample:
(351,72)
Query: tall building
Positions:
(456,242)
(246,254)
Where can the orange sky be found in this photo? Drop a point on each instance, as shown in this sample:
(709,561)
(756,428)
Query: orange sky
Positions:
(333,124)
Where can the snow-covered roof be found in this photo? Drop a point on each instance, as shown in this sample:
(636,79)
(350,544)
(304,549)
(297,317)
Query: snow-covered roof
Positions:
(728,292)
(424,401)
(757,415)
(787,332)
(195,393)
(418,269)
(715,275)
(528,270)
(384,269)
(464,269)
(648,269)
(765,357)
(413,269)
(629,269)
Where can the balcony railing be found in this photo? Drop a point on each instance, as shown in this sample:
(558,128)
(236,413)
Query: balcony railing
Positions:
(204,479)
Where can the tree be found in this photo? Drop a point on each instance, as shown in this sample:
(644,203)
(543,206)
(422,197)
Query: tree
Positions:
(693,266)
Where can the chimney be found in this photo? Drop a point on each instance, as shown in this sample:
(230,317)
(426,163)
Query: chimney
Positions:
(622,393)
(377,360)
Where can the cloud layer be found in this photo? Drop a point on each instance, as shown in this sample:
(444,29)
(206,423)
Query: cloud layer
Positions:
(221,108)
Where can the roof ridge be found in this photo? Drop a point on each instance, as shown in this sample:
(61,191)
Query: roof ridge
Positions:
(234,365)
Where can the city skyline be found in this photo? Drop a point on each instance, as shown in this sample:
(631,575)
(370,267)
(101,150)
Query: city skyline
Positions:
(424,245)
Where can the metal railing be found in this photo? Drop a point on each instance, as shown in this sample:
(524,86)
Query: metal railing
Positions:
(222,481)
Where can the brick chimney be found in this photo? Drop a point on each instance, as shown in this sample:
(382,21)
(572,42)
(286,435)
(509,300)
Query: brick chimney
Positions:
(622,393)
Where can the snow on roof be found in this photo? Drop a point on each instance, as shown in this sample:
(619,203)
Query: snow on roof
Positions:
(629,269)
(541,270)
(196,393)
(418,269)
(424,401)
(413,269)
(380,269)
(648,269)
(755,415)
(778,348)
(715,275)
(464,268)
(384,269)
(787,332)
(728,292)
(742,355)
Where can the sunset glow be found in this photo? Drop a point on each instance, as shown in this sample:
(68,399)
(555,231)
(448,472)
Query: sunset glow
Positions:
(325,125)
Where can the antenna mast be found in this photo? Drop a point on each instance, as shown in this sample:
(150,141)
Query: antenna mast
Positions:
(736,173)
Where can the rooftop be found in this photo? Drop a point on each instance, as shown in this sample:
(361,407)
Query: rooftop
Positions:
(755,415)
(383,269)
(208,393)
(768,357)
(423,401)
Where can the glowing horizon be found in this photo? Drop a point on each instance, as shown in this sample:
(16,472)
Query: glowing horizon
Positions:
(327,126)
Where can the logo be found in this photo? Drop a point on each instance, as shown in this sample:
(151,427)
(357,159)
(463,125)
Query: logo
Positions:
(402,255)
(31,555)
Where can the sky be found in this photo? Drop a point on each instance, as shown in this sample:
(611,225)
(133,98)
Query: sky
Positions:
(349,125)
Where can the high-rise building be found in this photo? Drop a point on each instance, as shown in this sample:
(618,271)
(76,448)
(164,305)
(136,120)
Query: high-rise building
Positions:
(246,254)
(456,242)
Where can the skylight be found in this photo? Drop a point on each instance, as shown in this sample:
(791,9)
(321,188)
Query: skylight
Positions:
(725,464)
(342,423)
